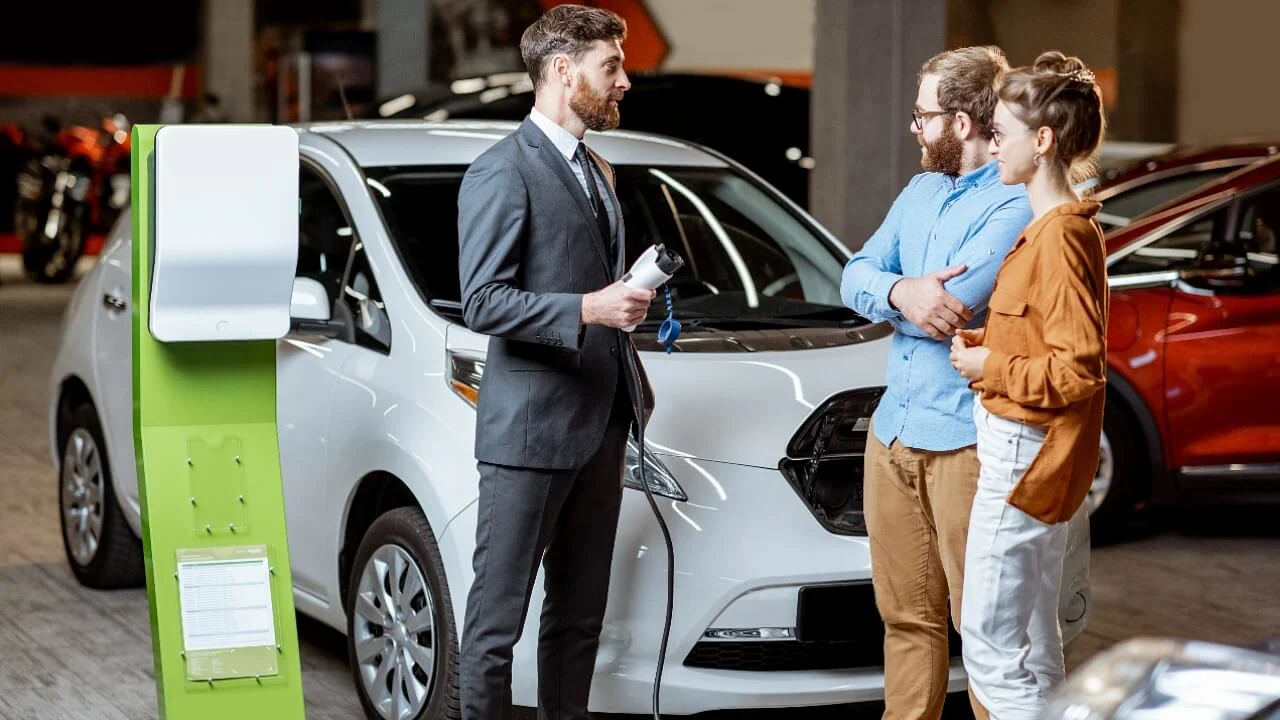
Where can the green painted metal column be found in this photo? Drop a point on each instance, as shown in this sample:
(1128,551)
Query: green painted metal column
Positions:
(217,560)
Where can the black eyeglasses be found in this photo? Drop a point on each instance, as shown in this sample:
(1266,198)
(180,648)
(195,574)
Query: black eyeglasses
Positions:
(920,117)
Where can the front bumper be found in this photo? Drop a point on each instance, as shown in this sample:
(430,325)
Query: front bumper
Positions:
(744,546)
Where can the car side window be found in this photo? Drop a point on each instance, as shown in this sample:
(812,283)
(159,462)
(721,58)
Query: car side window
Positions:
(330,251)
(363,302)
(1258,235)
(1176,251)
(324,234)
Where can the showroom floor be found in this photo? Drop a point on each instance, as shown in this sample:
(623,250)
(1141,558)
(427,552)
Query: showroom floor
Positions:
(70,653)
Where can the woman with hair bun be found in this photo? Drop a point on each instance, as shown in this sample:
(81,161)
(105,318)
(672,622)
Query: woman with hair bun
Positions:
(1039,369)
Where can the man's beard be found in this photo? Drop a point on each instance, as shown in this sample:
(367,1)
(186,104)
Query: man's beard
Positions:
(944,155)
(595,109)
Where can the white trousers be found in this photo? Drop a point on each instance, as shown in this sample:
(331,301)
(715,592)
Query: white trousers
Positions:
(1012,643)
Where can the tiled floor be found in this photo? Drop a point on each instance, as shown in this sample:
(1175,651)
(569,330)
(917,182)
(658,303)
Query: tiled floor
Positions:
(75,654)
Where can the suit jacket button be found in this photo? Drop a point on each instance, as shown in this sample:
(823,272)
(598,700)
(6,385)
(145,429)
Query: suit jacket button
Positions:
(613,350)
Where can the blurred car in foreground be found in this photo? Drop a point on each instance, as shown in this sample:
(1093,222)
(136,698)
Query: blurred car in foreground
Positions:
(1194,351)
(1164,679)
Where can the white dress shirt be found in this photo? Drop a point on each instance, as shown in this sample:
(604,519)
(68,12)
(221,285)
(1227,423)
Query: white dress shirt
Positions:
(567,144)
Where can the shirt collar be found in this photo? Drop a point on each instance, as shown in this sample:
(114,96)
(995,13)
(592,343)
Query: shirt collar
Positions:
(979,176)
(564,140)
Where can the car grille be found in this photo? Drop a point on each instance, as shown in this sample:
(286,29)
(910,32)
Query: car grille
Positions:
(840,630)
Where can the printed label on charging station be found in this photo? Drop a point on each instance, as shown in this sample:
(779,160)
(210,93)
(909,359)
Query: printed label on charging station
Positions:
(228,625)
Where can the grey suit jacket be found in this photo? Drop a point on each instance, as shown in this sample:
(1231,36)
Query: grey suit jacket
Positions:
(529,249)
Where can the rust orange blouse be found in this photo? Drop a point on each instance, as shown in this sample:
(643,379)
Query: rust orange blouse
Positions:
(1047,332)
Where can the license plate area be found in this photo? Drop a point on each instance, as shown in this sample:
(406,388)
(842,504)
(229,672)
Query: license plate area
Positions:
(844,612)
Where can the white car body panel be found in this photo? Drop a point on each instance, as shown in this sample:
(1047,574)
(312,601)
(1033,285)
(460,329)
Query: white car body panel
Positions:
(744,541)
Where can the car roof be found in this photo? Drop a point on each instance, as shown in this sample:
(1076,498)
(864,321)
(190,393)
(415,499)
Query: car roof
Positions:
(1244,179)
(381,143)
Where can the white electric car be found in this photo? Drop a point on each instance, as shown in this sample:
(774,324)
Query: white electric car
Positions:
(754,448)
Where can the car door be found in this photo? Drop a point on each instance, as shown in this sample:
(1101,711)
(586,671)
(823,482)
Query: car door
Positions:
(113,353)
(1223,347)
(307,366)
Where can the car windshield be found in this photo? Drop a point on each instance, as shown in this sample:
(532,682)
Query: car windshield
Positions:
(750,261)
(1121,208)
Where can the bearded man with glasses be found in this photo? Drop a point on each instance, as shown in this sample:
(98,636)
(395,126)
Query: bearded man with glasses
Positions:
(929,271)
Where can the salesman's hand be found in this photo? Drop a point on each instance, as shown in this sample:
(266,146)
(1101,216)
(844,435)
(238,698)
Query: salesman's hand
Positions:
(927,304)
(616,306)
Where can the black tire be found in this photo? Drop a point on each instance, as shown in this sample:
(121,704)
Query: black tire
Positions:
(1130,474)
(117,561)
(407,529)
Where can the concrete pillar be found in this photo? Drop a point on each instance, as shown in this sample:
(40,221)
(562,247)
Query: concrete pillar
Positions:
(1147,72)
(866,57)
(403,45)
(228,45)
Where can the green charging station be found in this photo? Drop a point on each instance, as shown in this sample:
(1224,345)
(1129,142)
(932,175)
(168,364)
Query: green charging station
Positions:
(214,254)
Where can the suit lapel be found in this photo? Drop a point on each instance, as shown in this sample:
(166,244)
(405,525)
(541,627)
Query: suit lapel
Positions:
(560,168)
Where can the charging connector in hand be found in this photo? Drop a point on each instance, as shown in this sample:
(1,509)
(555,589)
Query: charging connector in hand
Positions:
(654,267)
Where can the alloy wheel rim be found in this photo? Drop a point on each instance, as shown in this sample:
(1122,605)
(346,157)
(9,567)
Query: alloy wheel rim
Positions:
(394,633)
(82,496)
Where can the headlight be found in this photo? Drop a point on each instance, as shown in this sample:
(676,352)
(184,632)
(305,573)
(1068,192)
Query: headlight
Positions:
(465,373)
(661,481)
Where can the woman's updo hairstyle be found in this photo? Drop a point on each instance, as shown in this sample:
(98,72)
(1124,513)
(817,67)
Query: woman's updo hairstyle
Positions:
(1060,93)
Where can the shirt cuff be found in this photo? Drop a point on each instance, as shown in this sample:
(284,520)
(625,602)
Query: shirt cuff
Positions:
(880,291)
(993,370)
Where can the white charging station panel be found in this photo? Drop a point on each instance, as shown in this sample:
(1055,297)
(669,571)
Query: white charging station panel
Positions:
(226,232)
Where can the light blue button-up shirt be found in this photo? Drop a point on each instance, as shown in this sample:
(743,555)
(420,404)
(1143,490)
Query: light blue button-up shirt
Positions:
(938,221)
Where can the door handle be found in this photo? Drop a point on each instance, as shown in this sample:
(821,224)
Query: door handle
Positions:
(113,303)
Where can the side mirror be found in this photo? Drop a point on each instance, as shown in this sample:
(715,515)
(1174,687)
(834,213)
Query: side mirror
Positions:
(309,301)
(309,309)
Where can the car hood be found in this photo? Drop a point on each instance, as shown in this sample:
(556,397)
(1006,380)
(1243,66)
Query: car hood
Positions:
(738,397)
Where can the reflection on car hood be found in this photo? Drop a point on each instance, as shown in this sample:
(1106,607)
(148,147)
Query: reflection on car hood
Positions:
(738,397)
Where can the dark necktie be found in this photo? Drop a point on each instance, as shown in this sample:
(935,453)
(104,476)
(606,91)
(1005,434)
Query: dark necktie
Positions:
(597,204)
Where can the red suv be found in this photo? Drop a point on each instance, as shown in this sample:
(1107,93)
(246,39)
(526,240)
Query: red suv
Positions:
(1193,409)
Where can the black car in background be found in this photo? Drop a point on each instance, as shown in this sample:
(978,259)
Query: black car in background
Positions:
(762,124)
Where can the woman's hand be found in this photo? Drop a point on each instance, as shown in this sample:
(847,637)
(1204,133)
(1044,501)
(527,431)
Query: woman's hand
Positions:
(968,358)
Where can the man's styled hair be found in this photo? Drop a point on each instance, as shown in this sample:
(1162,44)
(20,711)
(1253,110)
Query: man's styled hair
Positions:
(967,81)
(568,29)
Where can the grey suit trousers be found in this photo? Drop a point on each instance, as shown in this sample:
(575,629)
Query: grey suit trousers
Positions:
(574,516)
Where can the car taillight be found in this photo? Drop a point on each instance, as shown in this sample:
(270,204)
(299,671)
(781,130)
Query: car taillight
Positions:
(824,460)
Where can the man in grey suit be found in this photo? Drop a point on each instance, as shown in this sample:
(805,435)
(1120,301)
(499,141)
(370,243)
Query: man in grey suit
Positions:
(541,249)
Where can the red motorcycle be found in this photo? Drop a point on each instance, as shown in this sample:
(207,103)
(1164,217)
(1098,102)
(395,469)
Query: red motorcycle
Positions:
(77,186)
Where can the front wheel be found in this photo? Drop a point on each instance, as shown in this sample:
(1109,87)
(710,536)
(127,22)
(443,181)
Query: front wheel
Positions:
(401,635)
(1122,471)
(101,548)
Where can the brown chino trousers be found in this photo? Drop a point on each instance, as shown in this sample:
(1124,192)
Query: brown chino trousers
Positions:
(917,506)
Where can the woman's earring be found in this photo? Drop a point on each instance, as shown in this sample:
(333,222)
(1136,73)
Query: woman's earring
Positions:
(1036,159)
